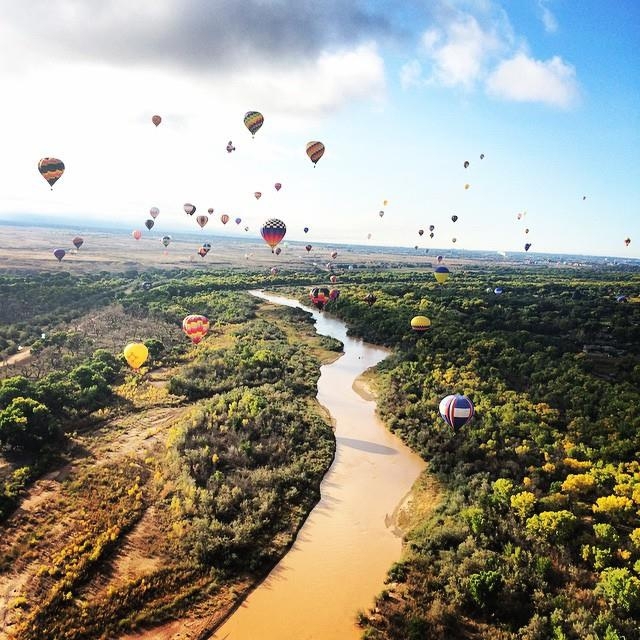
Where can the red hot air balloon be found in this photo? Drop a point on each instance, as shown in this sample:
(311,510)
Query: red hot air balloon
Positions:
(319,296)
(195,327)
(273,230)
(137,234)
(156,120)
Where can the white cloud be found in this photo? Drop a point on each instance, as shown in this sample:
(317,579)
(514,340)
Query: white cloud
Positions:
(460,50)
(548,19)
(524,79)
(411,74)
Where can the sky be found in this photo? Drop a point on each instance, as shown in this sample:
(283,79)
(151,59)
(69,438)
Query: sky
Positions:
(400,93)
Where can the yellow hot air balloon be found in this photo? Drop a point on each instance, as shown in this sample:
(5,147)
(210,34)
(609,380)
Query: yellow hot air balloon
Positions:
(136,354)
(420,323)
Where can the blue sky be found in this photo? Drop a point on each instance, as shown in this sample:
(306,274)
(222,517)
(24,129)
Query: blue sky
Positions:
(401,94)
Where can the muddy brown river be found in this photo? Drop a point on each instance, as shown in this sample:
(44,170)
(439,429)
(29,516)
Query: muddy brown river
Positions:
(341,555)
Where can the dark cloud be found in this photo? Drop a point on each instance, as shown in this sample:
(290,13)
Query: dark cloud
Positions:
(198,34)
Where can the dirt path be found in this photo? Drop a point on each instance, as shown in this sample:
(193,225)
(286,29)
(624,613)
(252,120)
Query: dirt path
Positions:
(136,435)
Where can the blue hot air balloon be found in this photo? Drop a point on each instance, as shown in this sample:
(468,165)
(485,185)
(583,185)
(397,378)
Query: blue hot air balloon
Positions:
(456,410)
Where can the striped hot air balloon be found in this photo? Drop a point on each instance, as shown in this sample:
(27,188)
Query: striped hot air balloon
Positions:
(420,323)
(195,327)
(253,120)
(51,170)
(456,410)
(273,230)
(315,151)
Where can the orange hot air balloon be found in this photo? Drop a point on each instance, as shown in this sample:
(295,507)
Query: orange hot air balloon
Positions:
(195,327)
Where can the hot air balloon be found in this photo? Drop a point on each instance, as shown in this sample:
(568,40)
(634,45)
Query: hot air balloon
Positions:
(498,291)
(431,234)
(274,271)
(432,227)
(308,248)
(454,240)
(333,279)
(278,251)
(420,323)
(370,299)
(153,212)
(466,186)
(466,164)
(440,259)
(381,213)
(257,195)
(137,234)
(238,220)
(622,299)
(482,156)
(59,253)
(319,296)
(454,218)
(368,236)
(195,327)
(334,255)
(224,218)
(210,210)
(77,242)
(146,285)
(385,203)
(334,294)
(456,410)
(202,220)
(202,252)
(253,120)
(230,147)
(273,230)
(247,229)
(166,240)
(527,246)
(51,170)
(189,209)
(420,232)
(526,230)
(156,120)
(136,354)
(306,229)
(627,241)
(149,224)
(315,151)
(441,274)
(277,186)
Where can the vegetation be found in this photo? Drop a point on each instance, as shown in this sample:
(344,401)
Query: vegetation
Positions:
(207,461)
(539,535)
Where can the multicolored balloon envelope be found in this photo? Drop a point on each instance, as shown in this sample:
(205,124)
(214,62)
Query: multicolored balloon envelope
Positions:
(319,296)
(59,253)
(195,327)
(370,299)
(51,170)
(420,323)
(273,230)
(334,294)
(136,354)
(456,410)
(315,151)
(253,120)
(441,274)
